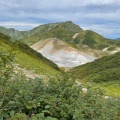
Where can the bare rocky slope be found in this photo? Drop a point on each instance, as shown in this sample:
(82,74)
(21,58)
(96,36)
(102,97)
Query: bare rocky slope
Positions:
(61,53)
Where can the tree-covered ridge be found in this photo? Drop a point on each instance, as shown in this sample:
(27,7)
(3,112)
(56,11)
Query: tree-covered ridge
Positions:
(101,70)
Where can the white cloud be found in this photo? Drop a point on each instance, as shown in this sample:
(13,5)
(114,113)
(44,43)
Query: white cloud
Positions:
(19,25)
(7,24)
(91,14)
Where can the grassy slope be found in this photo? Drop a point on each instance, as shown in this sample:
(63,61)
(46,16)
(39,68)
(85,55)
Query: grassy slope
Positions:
(40,64)
(94,40)
(103,72)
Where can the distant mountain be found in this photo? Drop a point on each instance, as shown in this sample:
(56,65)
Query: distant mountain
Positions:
(101,70)
(70,33)
(14,34)
(86,41)
(117,39)
(63,31)
(68,26)
(28,58)
(66,31)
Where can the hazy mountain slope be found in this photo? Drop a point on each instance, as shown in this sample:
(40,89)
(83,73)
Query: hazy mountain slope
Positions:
(61,53)
(28,58)
(101,70)
(14,34)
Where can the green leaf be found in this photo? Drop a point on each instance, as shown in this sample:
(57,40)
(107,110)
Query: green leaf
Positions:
(45,111)
(50,118)
(29,106)
(12,113)
(47,107)
(34,118)
(1,117)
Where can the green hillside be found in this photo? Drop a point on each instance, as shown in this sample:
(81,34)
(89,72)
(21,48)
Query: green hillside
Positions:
(28,58)
(63,31)
(94,40)
(103,72)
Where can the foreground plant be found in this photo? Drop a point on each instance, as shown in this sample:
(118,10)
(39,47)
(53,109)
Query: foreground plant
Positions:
(58,99)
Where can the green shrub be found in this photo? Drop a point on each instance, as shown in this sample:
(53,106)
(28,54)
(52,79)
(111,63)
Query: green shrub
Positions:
(58,99)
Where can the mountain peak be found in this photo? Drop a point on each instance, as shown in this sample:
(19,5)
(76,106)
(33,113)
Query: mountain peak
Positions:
(69,25)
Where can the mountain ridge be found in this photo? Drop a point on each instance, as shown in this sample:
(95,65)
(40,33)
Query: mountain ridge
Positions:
(72,35)
(62,30)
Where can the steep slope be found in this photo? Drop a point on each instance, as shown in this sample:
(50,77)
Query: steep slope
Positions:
(101,70)
(28,58)
(61,53)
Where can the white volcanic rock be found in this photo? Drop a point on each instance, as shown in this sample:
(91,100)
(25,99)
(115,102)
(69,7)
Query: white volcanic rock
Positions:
(74,36)
(61,53)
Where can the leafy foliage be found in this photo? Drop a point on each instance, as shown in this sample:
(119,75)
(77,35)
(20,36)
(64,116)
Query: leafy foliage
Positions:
(58,99)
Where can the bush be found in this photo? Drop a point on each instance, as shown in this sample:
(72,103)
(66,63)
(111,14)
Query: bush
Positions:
(58,99)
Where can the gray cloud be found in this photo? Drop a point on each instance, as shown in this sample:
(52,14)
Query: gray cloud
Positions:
(101,16)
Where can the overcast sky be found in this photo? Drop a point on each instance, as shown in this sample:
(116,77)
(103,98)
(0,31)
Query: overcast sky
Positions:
(101,16)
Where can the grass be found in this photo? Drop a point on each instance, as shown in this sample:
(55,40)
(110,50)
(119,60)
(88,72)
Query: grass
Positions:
(29,63)
(111,88)
(111,48)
